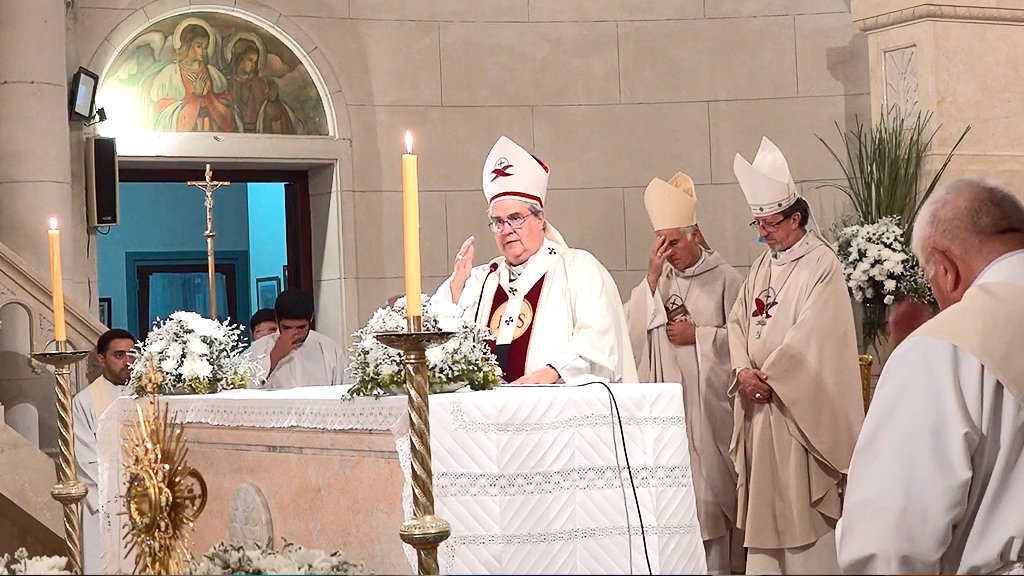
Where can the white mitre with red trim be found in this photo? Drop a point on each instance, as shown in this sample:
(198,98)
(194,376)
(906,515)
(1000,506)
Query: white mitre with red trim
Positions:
(512,172)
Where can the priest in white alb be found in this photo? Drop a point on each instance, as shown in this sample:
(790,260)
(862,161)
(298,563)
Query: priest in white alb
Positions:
(114,354)
(677,318)
(937,483)
(555,311)
(295,355)
(797,396)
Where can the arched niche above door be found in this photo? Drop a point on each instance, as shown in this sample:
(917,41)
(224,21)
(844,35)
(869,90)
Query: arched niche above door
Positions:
(211,72)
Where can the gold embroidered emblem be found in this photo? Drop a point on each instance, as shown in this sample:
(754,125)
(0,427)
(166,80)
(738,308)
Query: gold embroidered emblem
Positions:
(522,323)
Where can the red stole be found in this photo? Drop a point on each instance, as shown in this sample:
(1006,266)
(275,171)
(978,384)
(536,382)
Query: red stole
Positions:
(512,356)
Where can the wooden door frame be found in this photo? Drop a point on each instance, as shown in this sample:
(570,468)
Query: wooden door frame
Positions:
(298,219)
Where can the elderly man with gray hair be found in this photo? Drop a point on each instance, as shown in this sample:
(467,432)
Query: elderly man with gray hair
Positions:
(554,311)
(936,483)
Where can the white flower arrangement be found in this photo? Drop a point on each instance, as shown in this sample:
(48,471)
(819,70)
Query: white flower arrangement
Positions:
(38,565)
(377,369)
(224,558)
(194,354)
(876,264)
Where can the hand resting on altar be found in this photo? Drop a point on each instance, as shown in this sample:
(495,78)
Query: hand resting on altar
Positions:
(543,375)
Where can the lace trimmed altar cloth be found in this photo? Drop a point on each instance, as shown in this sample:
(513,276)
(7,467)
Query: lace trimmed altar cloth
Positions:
(530,479)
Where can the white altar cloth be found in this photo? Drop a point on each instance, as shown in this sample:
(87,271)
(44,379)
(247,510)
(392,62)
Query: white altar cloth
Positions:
(530,479)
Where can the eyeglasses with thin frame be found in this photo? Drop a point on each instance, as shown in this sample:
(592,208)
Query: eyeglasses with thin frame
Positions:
(767,226)
(515,220)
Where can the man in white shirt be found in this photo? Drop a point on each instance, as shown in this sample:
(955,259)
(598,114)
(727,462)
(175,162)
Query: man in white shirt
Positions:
(296,356)
(936,482)
(114,353)
(554,311)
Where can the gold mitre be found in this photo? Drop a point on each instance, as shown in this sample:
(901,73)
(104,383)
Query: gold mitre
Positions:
(671,204)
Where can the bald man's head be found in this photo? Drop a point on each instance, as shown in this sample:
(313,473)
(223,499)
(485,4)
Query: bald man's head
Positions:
(961,229)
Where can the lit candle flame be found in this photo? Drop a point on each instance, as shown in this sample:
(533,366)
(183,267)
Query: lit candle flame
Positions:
(53,223)
(408,142)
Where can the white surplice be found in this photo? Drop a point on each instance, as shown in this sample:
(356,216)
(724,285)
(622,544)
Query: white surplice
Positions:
(317,362)
(936,483)
(579,327)
(86,410)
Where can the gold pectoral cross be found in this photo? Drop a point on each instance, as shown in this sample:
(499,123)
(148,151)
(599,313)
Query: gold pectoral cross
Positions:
(208,186)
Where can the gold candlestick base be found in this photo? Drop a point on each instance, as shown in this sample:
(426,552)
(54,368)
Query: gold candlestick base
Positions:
(425,531)
(68,490)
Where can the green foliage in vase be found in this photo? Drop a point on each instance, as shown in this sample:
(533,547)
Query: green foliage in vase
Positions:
(884,166)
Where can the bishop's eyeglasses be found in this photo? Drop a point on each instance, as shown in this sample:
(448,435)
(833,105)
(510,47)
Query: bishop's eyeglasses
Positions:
(516,221)
(767,226)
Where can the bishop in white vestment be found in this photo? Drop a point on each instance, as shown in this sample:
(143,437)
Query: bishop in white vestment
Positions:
(555,311)
(113,351)
(797,396)
(937,481)
(677,318)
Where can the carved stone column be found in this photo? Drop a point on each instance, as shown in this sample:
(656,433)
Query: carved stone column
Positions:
(35,164)
(964,61)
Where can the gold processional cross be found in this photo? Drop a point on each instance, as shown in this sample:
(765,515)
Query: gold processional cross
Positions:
(208,186)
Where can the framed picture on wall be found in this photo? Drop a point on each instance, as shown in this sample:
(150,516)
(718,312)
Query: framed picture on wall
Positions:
(267,289)
(105,311)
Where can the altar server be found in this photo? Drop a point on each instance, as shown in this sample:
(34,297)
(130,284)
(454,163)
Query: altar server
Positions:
(936,483)
(797,397)
(296,355)
(114,354)
(555,311)
(676,320)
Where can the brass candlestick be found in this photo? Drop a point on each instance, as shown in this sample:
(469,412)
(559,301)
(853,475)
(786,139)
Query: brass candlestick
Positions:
(68,490)
(424,531)
(208,186)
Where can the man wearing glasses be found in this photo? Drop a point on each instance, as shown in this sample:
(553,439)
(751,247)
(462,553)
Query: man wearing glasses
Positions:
(677,321)
(554,311)
(796,385)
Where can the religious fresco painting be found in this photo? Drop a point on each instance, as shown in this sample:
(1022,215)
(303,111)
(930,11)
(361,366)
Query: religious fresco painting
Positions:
(211,72)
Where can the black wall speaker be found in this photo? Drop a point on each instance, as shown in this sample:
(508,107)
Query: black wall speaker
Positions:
(101,182)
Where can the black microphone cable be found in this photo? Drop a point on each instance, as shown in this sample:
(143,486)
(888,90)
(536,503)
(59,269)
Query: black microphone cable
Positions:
(629,469)
(480,297)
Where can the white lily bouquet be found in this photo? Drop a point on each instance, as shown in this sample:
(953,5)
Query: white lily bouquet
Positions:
(22,564)
(879,269)
(195,355)
(877,265)
(224,558)
(466,358)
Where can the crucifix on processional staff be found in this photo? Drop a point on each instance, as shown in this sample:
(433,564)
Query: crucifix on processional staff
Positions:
(208,186)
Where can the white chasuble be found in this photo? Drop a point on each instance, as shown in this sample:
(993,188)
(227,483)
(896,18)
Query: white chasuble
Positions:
(936,483)
(578,315)
(793,320)
(704,294)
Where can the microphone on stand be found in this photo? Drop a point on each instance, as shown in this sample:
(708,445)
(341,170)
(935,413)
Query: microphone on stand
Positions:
(490,270)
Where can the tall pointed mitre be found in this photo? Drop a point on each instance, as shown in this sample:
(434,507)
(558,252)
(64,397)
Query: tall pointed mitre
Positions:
(766,182)
(512,172)
(671,204)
